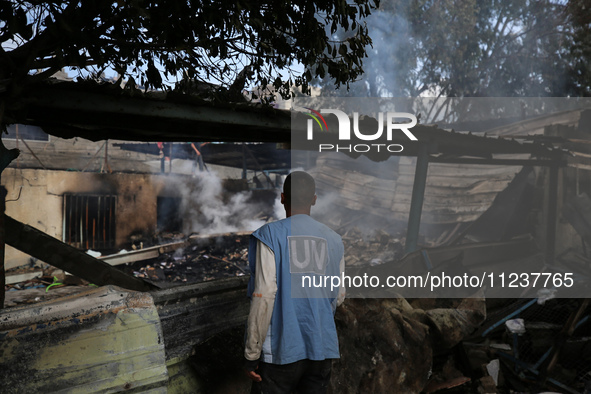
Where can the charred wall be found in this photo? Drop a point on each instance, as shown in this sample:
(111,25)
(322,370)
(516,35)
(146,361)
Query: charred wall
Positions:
(36,197)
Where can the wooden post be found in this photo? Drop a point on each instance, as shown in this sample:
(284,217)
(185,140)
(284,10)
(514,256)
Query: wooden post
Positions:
(2,247)
(170,157)
(6,157)
(244,169)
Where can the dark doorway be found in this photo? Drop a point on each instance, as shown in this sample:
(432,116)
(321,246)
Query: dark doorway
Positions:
(169,215)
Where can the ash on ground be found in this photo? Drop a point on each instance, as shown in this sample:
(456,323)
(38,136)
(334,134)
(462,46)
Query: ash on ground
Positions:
(214,259)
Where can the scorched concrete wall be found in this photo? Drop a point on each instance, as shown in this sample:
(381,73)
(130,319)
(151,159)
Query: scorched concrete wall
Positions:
(40,203)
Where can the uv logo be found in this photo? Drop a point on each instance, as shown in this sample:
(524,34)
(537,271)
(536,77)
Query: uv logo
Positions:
(392,123)
(307,254)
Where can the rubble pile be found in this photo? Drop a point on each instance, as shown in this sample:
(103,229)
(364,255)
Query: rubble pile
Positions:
(382,349)
(536,345)
(227,255)
(43,283)
(379,248)
(386,346)
(394,344)
(222,257)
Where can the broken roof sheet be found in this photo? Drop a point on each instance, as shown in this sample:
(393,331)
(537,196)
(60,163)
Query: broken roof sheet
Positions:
(99,112)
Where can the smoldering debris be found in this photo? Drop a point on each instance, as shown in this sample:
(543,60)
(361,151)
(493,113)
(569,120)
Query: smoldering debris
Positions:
(227,255)
(207,259)
(379,248)
(185,260)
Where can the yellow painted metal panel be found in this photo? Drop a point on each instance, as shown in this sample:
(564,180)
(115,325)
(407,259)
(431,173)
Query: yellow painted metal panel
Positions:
(105,340)
(182,377)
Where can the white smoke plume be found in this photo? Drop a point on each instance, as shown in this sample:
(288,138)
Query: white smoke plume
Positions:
(207,209)
(278,209)
(325,205)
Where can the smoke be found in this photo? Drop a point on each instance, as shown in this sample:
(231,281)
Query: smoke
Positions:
(207,208)
(385,67)
(389,65)
(325,205)
(278,209)
(356,193)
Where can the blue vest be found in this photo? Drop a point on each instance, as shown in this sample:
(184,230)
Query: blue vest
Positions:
(301,327)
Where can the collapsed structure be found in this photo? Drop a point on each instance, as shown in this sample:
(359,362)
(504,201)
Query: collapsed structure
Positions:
(172,321)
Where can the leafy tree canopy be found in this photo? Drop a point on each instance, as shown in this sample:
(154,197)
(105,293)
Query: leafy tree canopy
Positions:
(477,48)
(156,43)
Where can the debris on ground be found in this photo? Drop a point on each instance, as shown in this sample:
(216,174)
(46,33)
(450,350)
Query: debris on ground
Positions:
(533,345)
(378,248)
(206,260)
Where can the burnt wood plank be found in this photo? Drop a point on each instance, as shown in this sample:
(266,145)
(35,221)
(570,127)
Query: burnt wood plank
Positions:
(52,251)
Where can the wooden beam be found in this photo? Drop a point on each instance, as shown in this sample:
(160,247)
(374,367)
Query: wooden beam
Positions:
(67,110)
(53,251)
(505,162)
(2,246)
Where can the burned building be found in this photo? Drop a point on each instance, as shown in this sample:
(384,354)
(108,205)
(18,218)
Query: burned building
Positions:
(174,320)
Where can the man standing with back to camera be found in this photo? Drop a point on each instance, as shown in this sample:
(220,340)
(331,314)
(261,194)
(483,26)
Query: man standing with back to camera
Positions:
(291,336)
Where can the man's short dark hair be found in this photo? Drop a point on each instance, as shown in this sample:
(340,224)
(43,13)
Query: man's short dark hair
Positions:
(299,189)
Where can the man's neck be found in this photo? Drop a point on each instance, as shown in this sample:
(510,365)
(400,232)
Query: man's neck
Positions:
(297,211)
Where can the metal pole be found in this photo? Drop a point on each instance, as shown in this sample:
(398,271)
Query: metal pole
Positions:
(170,158)
(418,195)
(552,209)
